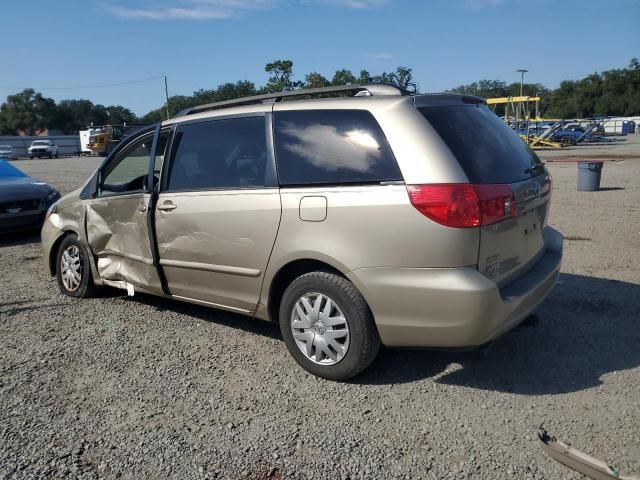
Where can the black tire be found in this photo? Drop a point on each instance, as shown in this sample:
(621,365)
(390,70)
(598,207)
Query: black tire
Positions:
(57,155)
(364,341)
(31,157)
(86,287)
(51,155)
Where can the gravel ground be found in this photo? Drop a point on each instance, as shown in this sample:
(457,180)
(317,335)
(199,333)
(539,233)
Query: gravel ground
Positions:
(118,387)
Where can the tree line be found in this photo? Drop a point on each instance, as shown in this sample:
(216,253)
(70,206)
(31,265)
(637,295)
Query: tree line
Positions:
(280,79)
(612,92)
(29,112)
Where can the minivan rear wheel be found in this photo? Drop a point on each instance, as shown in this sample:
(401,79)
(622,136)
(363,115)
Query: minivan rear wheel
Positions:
(327,326)
(73,271)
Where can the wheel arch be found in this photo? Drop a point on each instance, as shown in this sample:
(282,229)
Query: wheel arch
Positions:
(53,251)
(287,274)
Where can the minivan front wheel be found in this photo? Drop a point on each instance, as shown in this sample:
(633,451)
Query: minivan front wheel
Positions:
(327,326)
(73,271)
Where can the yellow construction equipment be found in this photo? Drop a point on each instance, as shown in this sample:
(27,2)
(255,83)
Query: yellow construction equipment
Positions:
(518,105)
(517,115)
(104,138)
(99,139)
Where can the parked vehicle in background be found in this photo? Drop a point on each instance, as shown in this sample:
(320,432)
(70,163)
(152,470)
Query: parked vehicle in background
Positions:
(43,148)
(104,139)
(7,151)
(23,200)
(382,218)
(85,136)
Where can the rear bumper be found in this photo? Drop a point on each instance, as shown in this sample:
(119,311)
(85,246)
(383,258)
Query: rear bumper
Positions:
(455,307)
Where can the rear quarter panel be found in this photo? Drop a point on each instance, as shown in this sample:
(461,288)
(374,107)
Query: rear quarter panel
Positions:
(376,226)
(366,226)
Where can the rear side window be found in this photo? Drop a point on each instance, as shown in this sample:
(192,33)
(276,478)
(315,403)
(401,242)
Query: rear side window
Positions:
(228,153)
(332,147)
(487,149)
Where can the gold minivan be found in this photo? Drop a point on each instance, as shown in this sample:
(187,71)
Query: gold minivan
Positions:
(379,218)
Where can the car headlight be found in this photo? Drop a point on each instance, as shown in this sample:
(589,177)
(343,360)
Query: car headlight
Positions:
(52,209)
(53,195)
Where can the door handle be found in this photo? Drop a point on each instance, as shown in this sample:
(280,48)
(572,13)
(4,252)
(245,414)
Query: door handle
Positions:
(167,207)
(142,208)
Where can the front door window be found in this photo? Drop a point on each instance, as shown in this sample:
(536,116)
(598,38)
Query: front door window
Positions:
(127,173)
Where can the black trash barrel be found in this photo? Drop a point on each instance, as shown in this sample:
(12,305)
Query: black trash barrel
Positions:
(589,174)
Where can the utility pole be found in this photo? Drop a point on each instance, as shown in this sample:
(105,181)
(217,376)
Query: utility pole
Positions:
(166,94)
(522,71)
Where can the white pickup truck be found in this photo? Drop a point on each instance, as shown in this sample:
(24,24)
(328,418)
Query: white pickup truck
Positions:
(43,148)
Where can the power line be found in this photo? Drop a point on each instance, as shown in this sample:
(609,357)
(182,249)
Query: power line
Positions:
(104,85)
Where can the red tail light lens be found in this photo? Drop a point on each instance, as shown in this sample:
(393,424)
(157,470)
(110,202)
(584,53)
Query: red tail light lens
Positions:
(463,205)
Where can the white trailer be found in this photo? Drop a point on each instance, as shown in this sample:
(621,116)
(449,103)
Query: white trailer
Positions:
(84,142)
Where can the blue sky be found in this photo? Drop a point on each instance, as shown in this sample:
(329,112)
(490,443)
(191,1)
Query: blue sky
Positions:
(52,45)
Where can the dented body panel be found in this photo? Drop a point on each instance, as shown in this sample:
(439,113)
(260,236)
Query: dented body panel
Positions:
(118,236)
(214,245)
(69,217)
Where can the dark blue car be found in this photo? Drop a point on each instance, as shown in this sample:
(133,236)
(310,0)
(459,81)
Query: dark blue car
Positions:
(23,200)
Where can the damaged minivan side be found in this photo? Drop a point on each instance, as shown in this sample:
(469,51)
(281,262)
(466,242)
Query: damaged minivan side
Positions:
(382,218)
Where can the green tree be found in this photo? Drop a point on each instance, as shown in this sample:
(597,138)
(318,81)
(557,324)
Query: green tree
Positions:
(343,77)
(614,92)
(484,89)
(27,112)
(73,115)
(403,77)
(70,116)
(226,91)
(119,115)
(281,76)
(315,80)
(364,77)
(177,103)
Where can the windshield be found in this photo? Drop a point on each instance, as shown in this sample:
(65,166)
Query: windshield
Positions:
(40,142)
(9,171)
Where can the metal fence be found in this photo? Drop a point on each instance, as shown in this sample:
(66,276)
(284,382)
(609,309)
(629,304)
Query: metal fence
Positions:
(67,144)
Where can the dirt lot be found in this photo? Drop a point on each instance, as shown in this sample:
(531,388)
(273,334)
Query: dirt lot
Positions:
(147,388)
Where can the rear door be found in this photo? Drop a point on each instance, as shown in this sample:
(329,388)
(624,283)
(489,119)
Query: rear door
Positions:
(492,153)
(218,211)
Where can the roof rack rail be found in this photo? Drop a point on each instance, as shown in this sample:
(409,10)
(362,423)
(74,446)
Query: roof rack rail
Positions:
(373,89)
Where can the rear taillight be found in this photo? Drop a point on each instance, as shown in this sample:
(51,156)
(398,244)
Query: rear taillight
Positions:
(463,205)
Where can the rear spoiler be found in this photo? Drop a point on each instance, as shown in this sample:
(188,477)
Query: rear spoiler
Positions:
(442,99)
(578,461)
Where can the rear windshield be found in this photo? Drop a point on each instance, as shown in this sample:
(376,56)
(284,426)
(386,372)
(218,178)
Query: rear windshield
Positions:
(488,150)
